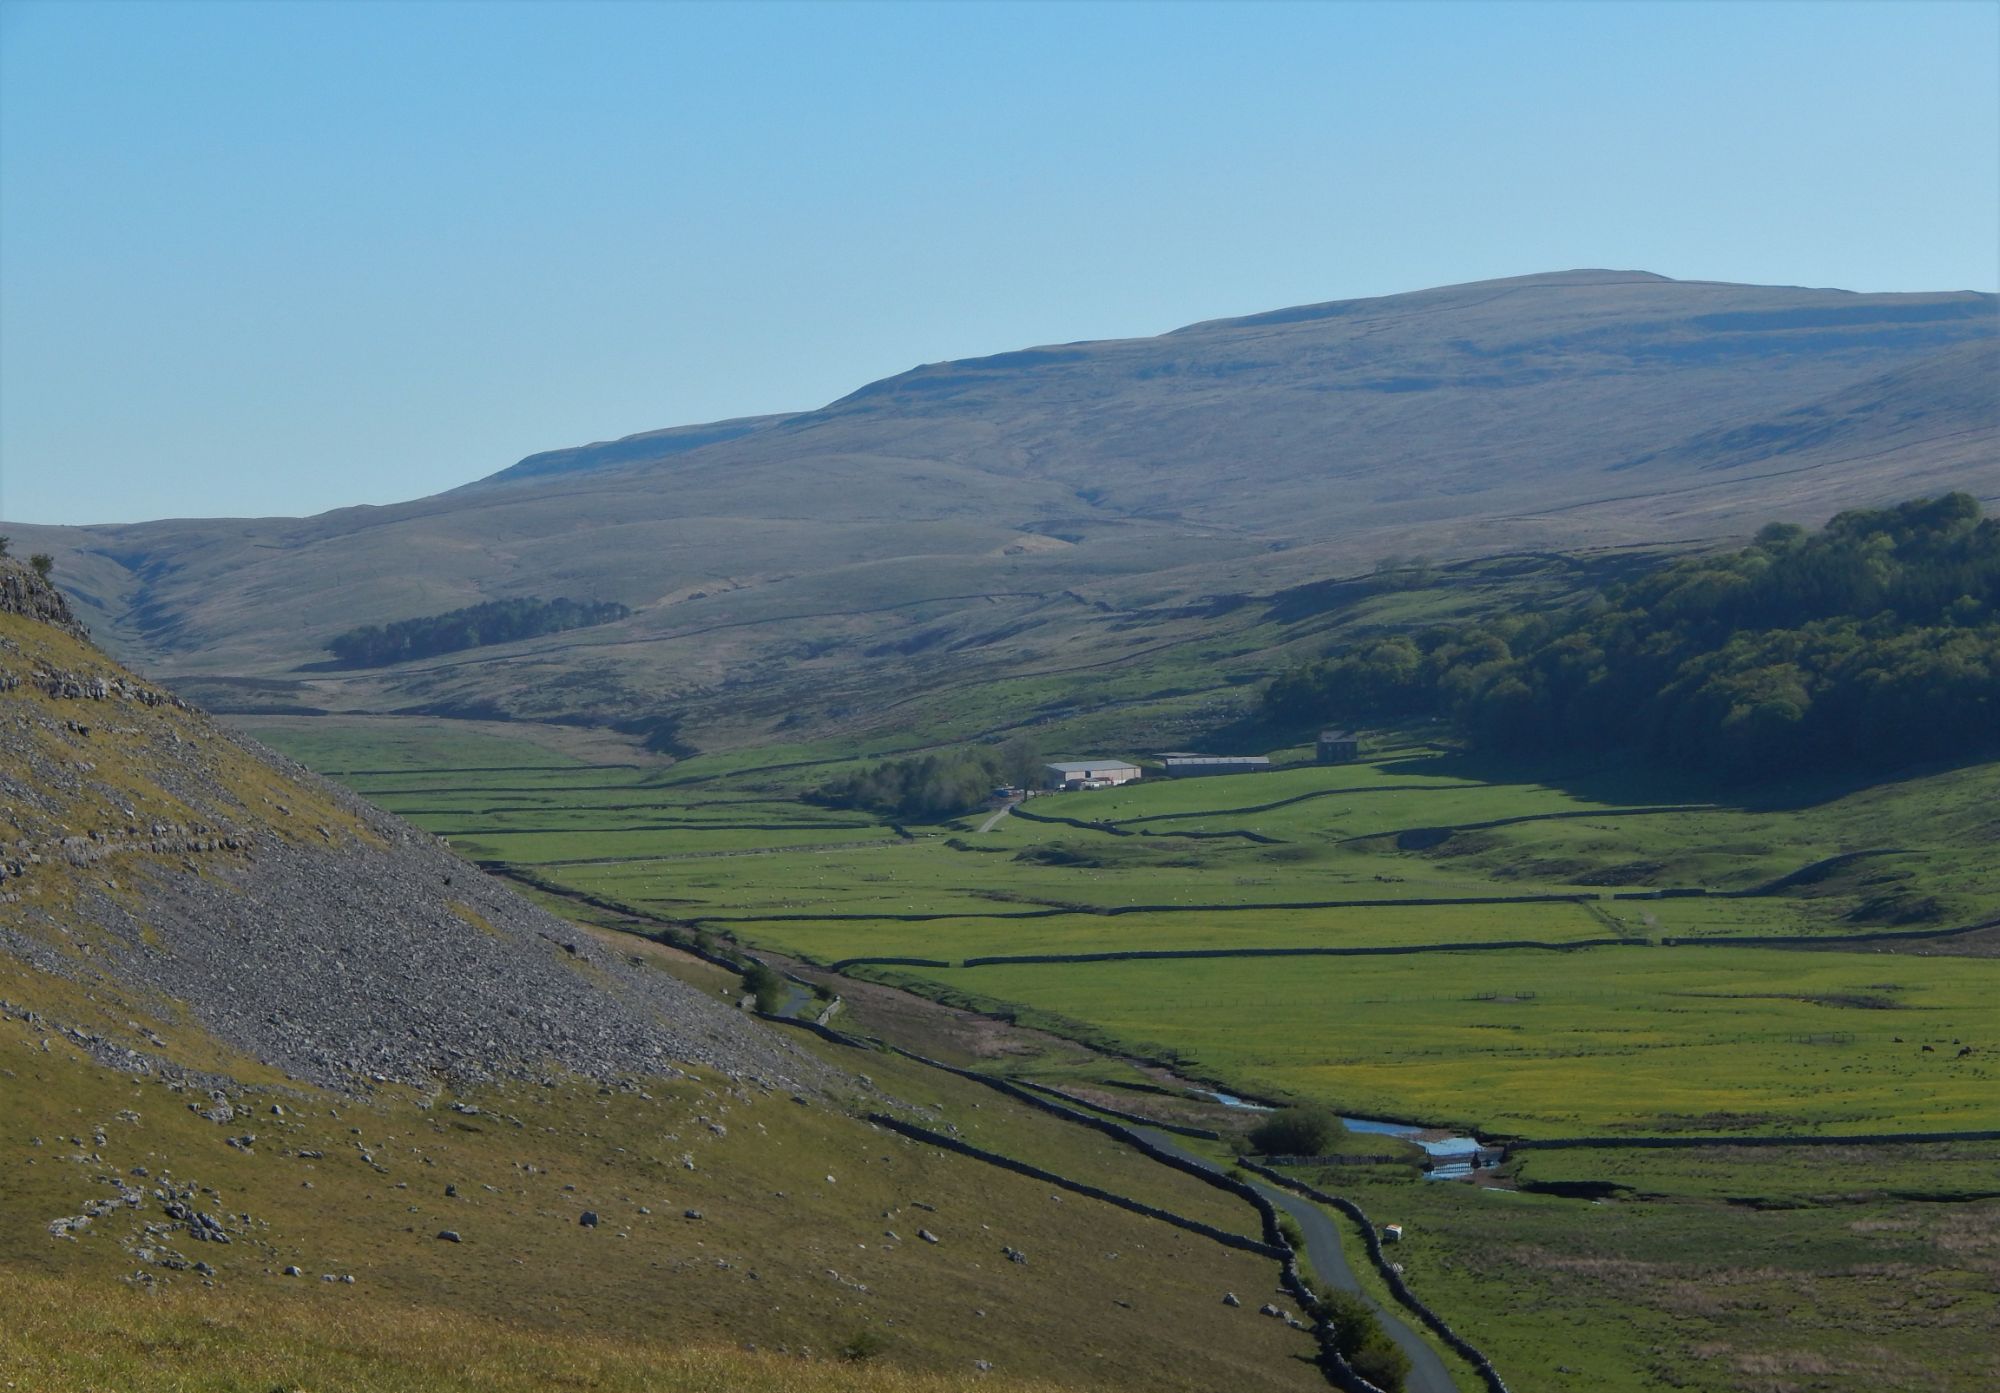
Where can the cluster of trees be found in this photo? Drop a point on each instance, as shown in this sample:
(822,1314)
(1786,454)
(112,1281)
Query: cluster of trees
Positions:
(1870,643)
(497,621)
(933,787)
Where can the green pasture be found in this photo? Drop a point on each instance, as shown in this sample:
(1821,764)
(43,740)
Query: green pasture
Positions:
(346,748)
(1772,1177)
(538,848)
(388,785)
(1700,1293)
(1537,1043)
(1237,800)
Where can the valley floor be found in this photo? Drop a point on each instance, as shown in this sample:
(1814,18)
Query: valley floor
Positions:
(1545,959)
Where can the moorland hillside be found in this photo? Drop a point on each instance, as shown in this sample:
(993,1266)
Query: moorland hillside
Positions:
(1029,508)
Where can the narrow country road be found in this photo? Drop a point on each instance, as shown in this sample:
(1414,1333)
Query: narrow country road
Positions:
(994,821)
(1427,1369)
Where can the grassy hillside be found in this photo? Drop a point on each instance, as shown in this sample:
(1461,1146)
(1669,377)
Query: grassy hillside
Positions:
(782,1258)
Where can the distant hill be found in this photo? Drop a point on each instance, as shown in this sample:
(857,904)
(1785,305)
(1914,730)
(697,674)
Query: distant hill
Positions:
(1035,507)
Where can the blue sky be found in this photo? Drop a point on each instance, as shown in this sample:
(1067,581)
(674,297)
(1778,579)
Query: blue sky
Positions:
(264,258)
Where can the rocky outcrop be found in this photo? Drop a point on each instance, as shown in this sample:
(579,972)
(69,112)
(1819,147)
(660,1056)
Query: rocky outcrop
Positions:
(24,593)
(154,857)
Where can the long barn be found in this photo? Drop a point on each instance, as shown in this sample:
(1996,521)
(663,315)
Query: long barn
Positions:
(1188,766)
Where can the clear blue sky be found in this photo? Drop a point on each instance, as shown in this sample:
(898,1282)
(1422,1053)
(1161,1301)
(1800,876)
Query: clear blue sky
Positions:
(275,258)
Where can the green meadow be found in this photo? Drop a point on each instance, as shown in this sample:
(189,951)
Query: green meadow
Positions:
(1807,1273)
(1599,1041)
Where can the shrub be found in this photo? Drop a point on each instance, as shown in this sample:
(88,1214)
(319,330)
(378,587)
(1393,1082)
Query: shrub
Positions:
(865,1345)
(1301,1131)
(1361,1340)
(1383,1364)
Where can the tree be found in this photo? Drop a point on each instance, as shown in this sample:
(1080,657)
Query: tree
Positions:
(3,545)
(1019,762)
(43,564)
(767,986)
(1301,1131)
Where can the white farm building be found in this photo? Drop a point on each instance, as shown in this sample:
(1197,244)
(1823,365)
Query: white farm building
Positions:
(1064,772)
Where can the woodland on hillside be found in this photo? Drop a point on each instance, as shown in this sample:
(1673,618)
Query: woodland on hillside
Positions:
(1869,643)
(497,621)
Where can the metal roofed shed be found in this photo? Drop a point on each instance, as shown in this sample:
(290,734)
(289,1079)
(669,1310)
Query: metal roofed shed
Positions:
(1065,773)
(1188,766)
